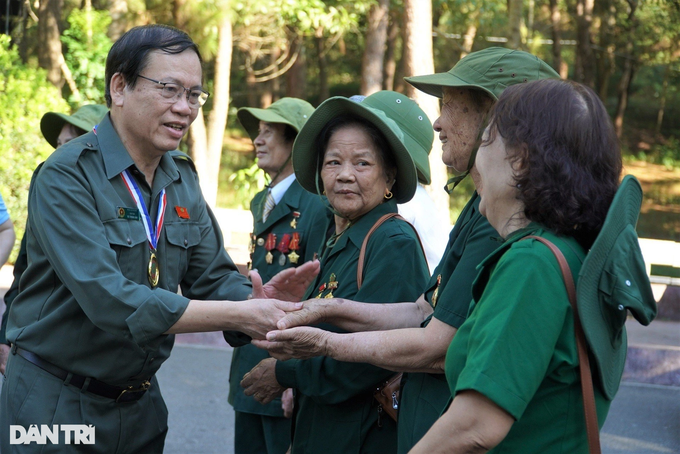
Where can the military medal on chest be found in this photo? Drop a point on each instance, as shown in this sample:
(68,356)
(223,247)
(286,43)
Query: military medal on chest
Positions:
(435,294)
(282,247)
(269,245)
(294,222)
(153,232)
(332,285)
(294,245)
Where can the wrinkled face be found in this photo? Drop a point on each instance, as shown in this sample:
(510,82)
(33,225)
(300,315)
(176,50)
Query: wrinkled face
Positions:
(498,189)
(352,173)
(68,133)
(271,147)
(459,126)
(149,124)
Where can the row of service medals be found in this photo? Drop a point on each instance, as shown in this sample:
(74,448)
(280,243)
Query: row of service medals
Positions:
(331,285)
(288,246)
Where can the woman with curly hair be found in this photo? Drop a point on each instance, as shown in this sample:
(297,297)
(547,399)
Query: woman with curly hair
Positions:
(549,167)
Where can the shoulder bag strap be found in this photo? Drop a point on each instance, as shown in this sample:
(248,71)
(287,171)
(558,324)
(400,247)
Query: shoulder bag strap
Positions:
(589,410)
(362,252)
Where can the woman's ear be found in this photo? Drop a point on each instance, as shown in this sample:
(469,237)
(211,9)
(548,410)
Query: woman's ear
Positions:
(391,178)
(117,89)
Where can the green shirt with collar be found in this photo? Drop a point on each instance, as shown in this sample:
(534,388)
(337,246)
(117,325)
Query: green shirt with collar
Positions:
(299,212)
(335,410)
(86,304)
(518,348)
(424,395)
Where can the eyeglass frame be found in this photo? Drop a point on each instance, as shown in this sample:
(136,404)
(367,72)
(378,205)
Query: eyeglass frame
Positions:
(186,90)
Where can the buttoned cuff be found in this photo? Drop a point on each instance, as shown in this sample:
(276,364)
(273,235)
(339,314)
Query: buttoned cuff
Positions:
(286,373)
(156,315)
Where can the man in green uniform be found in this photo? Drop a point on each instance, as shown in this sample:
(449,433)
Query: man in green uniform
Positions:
(289,226)
(58,129)
(468,91)
(99,303)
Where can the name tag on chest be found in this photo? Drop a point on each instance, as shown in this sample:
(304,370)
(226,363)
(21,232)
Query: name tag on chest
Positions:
(131,214)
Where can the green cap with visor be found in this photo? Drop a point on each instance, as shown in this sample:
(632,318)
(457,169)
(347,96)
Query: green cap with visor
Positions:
(84,118)
(288,111)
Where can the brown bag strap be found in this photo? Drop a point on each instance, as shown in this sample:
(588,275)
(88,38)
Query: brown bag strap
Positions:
(589,410)
(362,252)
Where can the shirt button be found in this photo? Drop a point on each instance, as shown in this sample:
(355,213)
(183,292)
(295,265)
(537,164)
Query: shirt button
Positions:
(186,241)
(628,283)
(129,241)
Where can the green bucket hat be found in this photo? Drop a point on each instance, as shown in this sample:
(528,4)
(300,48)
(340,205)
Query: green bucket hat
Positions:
(84,118)
(413,122)
(613,280)
(305,157)
(289,111)
(491,70)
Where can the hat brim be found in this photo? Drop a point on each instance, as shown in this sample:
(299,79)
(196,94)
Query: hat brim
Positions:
(433,84)
(250,118)
(602,299)
(305,156)
(52,123)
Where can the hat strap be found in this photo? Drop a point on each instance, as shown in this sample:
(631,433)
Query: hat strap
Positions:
(589,410)
(278,172)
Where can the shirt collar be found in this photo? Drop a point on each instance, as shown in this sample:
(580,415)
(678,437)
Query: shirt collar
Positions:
(281,187)
(116,157)
(359,229)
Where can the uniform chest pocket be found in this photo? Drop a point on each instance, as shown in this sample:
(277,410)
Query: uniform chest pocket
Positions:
(125,238)
(181,237)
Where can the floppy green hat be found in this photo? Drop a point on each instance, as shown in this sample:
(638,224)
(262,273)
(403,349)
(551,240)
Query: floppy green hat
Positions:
(306,157)
(289,111)
(490,70)
(613,280)
(413,122)
(84,118)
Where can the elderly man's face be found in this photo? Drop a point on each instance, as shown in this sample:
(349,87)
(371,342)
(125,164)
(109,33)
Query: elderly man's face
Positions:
(459,126)
(150,124)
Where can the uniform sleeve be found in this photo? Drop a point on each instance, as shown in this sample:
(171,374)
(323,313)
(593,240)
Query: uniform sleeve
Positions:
(63,214)
(517,323)
(454,300)
(390,259)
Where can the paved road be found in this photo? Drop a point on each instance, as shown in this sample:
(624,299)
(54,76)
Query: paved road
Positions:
(644,419)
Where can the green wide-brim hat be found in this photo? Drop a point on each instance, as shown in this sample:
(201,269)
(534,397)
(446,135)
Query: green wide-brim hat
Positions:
(413,122)
(288,111)
(306,158)
(84,118)
(491,70)
(613,280)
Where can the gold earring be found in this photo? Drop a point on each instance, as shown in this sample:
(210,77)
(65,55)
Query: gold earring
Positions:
(324,192)
(389,195)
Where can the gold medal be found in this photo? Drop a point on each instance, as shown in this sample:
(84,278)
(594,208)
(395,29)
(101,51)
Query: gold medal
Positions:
(293,257)
(154,273)
(269,257)
(330,294)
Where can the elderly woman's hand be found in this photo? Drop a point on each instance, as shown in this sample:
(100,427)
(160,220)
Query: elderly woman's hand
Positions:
(261,382)
(288,285)
(313,312)
(303,342)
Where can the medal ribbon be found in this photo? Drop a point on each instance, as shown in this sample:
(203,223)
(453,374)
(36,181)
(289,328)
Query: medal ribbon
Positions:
(153,233)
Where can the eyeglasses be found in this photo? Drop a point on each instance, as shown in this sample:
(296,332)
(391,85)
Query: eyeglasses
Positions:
(196,97)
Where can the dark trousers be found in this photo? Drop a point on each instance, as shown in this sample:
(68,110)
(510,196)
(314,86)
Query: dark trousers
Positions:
(259,434)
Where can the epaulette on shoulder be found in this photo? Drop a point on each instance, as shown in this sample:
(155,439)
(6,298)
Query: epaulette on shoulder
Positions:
(71,152)
(180,156)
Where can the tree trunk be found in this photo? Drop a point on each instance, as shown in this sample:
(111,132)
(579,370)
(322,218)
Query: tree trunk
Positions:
(320,43)
(628,70)
(390,64)
(515,24)
(49,42)
(418,60)
(207,144)
(556,22)
(118,10)
(178,14)
(295,77)
(584,72)
(605,59)
(662,105)
(374,50)
(470,33)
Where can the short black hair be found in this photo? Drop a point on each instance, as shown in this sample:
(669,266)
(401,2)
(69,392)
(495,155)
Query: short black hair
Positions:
(130,54)
(289,134)
(560,134)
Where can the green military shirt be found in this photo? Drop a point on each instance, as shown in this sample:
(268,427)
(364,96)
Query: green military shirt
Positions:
(298,213)
(86,304)
(335,410)
(517,346)
(424,396)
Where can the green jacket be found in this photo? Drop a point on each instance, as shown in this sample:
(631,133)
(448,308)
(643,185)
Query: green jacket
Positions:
(518,348)
(424,396)
(311,218)
(335,410)
(86,304)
